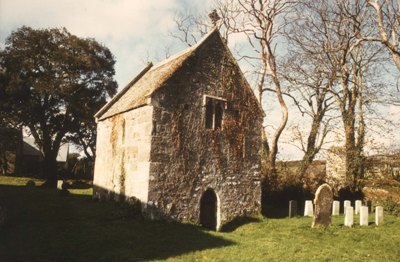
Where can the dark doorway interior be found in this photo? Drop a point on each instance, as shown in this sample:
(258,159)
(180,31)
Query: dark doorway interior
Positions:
(208,210)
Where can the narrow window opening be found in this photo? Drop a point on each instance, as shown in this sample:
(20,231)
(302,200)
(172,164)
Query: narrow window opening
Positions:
(209,114)
(214,113)
(218,112)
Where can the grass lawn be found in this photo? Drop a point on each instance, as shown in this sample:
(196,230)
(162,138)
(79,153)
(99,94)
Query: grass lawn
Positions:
(45,226)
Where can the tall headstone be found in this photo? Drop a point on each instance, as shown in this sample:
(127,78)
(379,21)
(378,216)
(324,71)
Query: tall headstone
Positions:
(347,203)
(308,209)
(323,206)
(292,208)
(363,216)
(336,208)
(348,217)
(378,215)
(357,206)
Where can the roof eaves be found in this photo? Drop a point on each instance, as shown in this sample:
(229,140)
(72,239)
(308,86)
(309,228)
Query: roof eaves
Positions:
(123,91)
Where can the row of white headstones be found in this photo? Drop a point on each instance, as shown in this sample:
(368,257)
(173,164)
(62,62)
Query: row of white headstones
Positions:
(349,212)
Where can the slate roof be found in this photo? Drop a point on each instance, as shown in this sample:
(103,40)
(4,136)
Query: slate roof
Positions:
(136,93)
(151,78)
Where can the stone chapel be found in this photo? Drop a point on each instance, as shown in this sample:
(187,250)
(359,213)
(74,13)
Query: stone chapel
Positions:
(184,139)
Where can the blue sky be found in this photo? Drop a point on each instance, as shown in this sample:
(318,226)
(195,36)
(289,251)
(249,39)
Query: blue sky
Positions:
(134,30)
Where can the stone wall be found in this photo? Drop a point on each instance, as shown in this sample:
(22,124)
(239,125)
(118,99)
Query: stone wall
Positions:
(187,158)
(123,155)
(164,155)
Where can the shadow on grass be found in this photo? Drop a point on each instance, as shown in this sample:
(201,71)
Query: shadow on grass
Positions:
(271,211)
(78,184)
(42,226)
(238,222)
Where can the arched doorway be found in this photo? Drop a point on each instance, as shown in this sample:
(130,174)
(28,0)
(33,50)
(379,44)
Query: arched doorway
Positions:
(208,209)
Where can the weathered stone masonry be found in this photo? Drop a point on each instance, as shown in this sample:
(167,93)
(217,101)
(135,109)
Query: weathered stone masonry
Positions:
(163,154)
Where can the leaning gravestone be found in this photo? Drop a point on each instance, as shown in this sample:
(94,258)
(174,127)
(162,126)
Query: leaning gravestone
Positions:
(323,206)
(292,208)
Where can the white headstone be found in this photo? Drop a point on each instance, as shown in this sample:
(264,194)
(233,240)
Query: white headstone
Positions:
(336,208)
(379,215)
(358,205)
(363,216)
(308,209)
(59,184)
(347,203)
(348,218)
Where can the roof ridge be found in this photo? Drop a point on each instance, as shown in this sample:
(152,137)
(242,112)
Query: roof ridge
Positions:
(185,51)
(123,91)
(167,67)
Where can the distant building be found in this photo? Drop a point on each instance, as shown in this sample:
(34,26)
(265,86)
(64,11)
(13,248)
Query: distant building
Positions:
(20,156)
(10,150)
(184,138)
(32,158)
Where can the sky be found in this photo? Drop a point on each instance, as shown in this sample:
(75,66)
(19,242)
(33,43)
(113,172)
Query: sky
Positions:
(135,31)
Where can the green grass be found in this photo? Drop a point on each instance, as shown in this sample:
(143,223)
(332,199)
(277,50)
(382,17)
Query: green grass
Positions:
(45,226)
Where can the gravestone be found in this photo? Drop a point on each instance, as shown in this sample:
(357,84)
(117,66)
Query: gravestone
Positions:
(348,217)
(336,208)
(60,184)
(363,216)
(378,215)
(357,206)
(292,208)
(323,206)
(347,203)
(308,209)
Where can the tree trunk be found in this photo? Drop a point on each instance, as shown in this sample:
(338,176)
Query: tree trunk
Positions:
(49,166)
(311,150)
(353,164)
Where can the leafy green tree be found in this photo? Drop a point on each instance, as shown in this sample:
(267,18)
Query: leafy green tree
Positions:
(52,83)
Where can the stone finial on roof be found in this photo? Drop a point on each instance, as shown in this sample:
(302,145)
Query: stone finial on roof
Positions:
(214,17)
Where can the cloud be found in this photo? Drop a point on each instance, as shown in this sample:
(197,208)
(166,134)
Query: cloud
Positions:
(129,28)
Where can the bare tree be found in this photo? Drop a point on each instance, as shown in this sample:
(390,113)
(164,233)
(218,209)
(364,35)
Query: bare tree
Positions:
(333,32)
(309,85)
(387,18)
(261,22)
